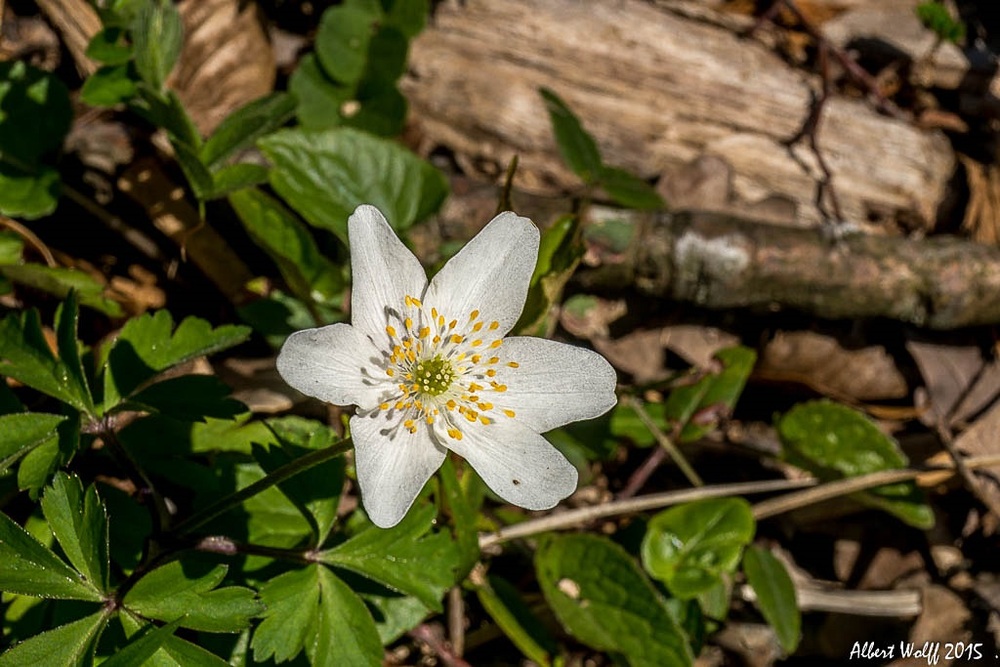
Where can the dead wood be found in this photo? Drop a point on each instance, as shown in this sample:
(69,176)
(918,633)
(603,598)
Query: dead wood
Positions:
(666,91)
(720,261)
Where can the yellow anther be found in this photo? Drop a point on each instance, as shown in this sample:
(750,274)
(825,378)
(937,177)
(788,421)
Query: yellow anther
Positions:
(409,425)
(399,405)
(429,419)
(450,404)
(424,332)
(486,421)
(491,373)
(477,342)
(471,415)
(513,364)
(456,339)
(391,331)
(390,372)
(485,407)
(473,315)
(473,398)
(434,313)
(495,344)
(493,325)
(477,326)
(455,433)
(440,320)
(407,343)
(476,358)
(383,406)
(498,387)
(474,387)
(416,302)
(510,413)
(452,324)
(408,323)
(493,360)
(436,339)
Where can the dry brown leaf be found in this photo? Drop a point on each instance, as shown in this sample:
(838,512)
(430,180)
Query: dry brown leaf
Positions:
(822,363)
(981,439)
(226,61)
(960,381)
(943,619)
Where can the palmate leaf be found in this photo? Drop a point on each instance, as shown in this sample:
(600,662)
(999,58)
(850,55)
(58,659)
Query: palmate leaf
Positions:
(407,558)
(188,594)
(23,431)
(148,345)
(142,646)
(29,568)
(174,652)
(70,645)
(602,597)
(313,609)
(80,523)
(25,356)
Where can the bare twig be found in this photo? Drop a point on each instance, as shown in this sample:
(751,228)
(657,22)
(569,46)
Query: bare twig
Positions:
(27,234)
(886,604)
(426,634)
(456,620)
(667,447)
(971,483)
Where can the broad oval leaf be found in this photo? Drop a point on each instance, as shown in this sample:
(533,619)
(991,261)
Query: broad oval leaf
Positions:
(689,547)
(833,441)
(602,597)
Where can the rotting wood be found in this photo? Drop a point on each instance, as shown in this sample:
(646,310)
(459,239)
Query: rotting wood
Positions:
(661,91)
(720,261)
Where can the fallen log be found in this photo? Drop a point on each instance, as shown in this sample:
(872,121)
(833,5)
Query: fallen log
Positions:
(672,92)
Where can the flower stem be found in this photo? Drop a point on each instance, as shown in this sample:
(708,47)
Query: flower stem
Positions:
(279,475)
(664,441)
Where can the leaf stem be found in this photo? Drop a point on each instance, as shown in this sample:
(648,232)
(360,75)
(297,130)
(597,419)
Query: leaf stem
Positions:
(664,441)
(279,475)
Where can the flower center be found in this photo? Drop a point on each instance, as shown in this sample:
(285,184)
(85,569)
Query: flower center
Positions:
(433,376)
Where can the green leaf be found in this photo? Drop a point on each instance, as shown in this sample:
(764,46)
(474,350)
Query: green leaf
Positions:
(833,441)
(273,520)
(316,492)
(35,114)
(936,17)
(577,147)
(408,16)
(345,633)
(142,647)
(38,465)
(108,86)
(241,128)
(342,40)
(29,568)
(157,36)
(326,175)
(463,499)
(775,595)
(22,432)
(58,280)
(175,652)
(70,645)
(320,98)
(407,558)
(503,603)
(603,599)
(28,195)
(11,247)
(625,423)
(628,190)
(110,46)
(164,109)
(288,242)
(559,253)
(26,357)
(291,602)
(691,546)
(66,321)
(197,174)
(80,523)
(188,398)
(699,406)
(234,177)
(146,347)
(168,593)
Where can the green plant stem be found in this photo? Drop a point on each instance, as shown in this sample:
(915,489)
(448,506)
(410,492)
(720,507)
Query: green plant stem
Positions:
(226,546)
(279,475)
(161,513)
(664,441)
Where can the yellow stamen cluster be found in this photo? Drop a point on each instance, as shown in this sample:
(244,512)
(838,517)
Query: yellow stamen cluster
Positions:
(439,372)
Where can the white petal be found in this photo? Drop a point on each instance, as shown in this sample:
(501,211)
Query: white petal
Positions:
(392,465)
(519,465)
(383,271)
(554,383)
(336,364)
(490,274)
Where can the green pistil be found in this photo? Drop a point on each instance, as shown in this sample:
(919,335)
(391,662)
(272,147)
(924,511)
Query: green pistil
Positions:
(433,376)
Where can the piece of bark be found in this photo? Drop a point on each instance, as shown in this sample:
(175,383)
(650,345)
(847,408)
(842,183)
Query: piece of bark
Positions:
(719,261)
(660,88)
(77,21)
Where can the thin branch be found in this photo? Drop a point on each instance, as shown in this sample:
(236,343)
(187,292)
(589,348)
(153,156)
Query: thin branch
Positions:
(663,441)
(27,234)
(971,483)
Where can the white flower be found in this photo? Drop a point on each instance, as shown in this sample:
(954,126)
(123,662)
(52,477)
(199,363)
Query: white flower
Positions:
(429,369)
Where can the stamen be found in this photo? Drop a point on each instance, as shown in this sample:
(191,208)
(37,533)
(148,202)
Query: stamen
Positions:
(510,413)
(513,364)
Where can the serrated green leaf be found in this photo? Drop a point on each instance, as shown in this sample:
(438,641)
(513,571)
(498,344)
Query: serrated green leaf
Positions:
(38,465)
(29,568)
(775,595)
(287,241)
(26,357)
(316,492)
(175,652)
(235,177)
(342,41)
(326,175)
(168,593)
(142,646)
(577,147)
(503,603)
(108,86)
(243,127)
(110,46)
(188,398)
(21,432)
(70,645)
(699,406)
(66,320)
(629,190)
(58,280)
(80,524)
(345,632)
(833,441)
(406,558)
(164,109)
(291,601)
(157,36)
(603,599)
(146,347)
(691,546)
